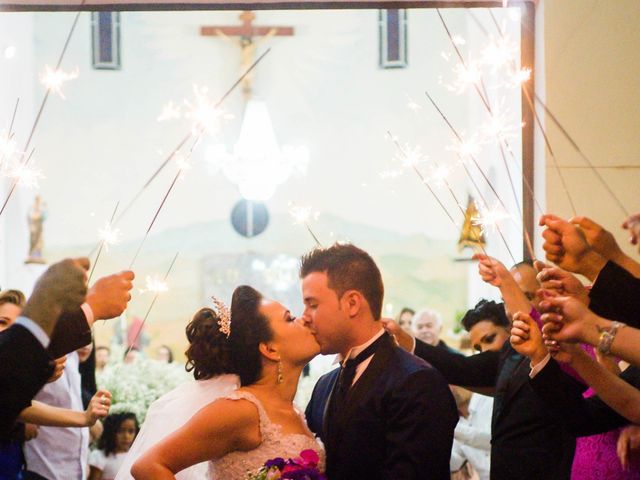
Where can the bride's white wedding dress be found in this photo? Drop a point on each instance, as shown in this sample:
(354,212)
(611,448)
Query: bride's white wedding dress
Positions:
(238,465)
(170,412)
(173,410)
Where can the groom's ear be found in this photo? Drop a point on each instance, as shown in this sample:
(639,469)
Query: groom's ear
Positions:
(268,351)
(354,302)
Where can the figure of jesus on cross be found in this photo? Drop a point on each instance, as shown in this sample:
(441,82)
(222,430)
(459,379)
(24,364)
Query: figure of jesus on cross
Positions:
(247,31)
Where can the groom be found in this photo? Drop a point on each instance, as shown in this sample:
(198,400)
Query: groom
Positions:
(385,414)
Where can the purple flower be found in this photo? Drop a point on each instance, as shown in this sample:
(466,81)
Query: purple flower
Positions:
(277,462)
(303,474)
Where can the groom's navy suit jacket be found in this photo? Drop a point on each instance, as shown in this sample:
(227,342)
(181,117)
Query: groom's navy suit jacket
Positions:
(397,422)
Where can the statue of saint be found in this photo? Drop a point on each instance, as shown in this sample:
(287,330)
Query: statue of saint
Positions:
(471,235)
(36,217)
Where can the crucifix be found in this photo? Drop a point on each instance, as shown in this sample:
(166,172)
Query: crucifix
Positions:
(247,31)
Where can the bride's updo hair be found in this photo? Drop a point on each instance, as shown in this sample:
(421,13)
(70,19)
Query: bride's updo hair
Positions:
(208,354)
(249,329)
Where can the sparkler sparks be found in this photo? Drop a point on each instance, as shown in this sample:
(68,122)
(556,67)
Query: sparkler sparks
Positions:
(499,127)
(466,76)
(155,285)
(109,236)
(499,52)
(182,163)
(206,116)
(410,157)
(466,148)
(54,79)
(170,111)
(439,175)
(25,175)
(489,218)
(413,105)
(520,77)
(302,214)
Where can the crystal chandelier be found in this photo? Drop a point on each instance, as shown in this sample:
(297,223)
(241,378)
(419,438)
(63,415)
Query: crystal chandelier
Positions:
(258,165)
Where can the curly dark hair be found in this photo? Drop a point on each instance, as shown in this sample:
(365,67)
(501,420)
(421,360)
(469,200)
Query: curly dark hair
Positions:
(209,352)
(486,310)
(107,442)
(348,268)
(249,328)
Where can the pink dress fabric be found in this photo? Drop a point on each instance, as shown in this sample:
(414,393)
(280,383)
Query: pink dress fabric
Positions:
(596,457)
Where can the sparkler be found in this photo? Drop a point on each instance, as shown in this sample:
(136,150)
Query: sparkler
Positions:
(303,216)
(108,236)
(157,286)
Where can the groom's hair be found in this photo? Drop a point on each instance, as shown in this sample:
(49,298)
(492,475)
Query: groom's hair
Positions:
(347,268)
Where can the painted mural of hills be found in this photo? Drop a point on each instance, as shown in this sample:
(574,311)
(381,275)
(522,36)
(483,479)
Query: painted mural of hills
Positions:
(418,271)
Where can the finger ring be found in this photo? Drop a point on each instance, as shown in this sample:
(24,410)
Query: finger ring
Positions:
(103,400)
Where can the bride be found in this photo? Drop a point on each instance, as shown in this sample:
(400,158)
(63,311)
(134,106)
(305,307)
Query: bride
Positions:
(267,348)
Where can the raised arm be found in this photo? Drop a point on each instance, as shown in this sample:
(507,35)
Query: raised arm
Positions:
(477,373)
(567,320)
(495,273)
(219,428)
(604,243)
(42,414)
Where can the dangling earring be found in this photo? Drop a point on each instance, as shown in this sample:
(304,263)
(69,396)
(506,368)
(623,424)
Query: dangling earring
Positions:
(280,378)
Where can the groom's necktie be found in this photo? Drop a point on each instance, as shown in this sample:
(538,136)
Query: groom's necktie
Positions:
(348,372)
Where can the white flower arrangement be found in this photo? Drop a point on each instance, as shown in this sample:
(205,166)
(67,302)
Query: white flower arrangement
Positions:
(134,386)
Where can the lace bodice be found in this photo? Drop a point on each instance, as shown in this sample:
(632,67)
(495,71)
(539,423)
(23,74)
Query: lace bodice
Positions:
(238,465)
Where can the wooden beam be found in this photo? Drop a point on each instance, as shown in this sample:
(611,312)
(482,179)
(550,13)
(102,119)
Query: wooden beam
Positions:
(527,56)
(124,5)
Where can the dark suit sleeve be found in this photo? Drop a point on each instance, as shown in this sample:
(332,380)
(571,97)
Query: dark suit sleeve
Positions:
(309,412)
(421,416)
(25,366)
(479,370)
(70,333)
(582,416)
(616,295)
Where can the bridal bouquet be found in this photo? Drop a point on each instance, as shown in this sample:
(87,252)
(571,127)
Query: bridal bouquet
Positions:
(305,467)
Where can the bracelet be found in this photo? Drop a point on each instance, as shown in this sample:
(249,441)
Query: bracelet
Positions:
(607,336)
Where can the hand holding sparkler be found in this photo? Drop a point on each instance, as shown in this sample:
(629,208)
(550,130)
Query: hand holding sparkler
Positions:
(492,271)
(562,283)
(495,273)
(108,297)
(604,243)
(566,246)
